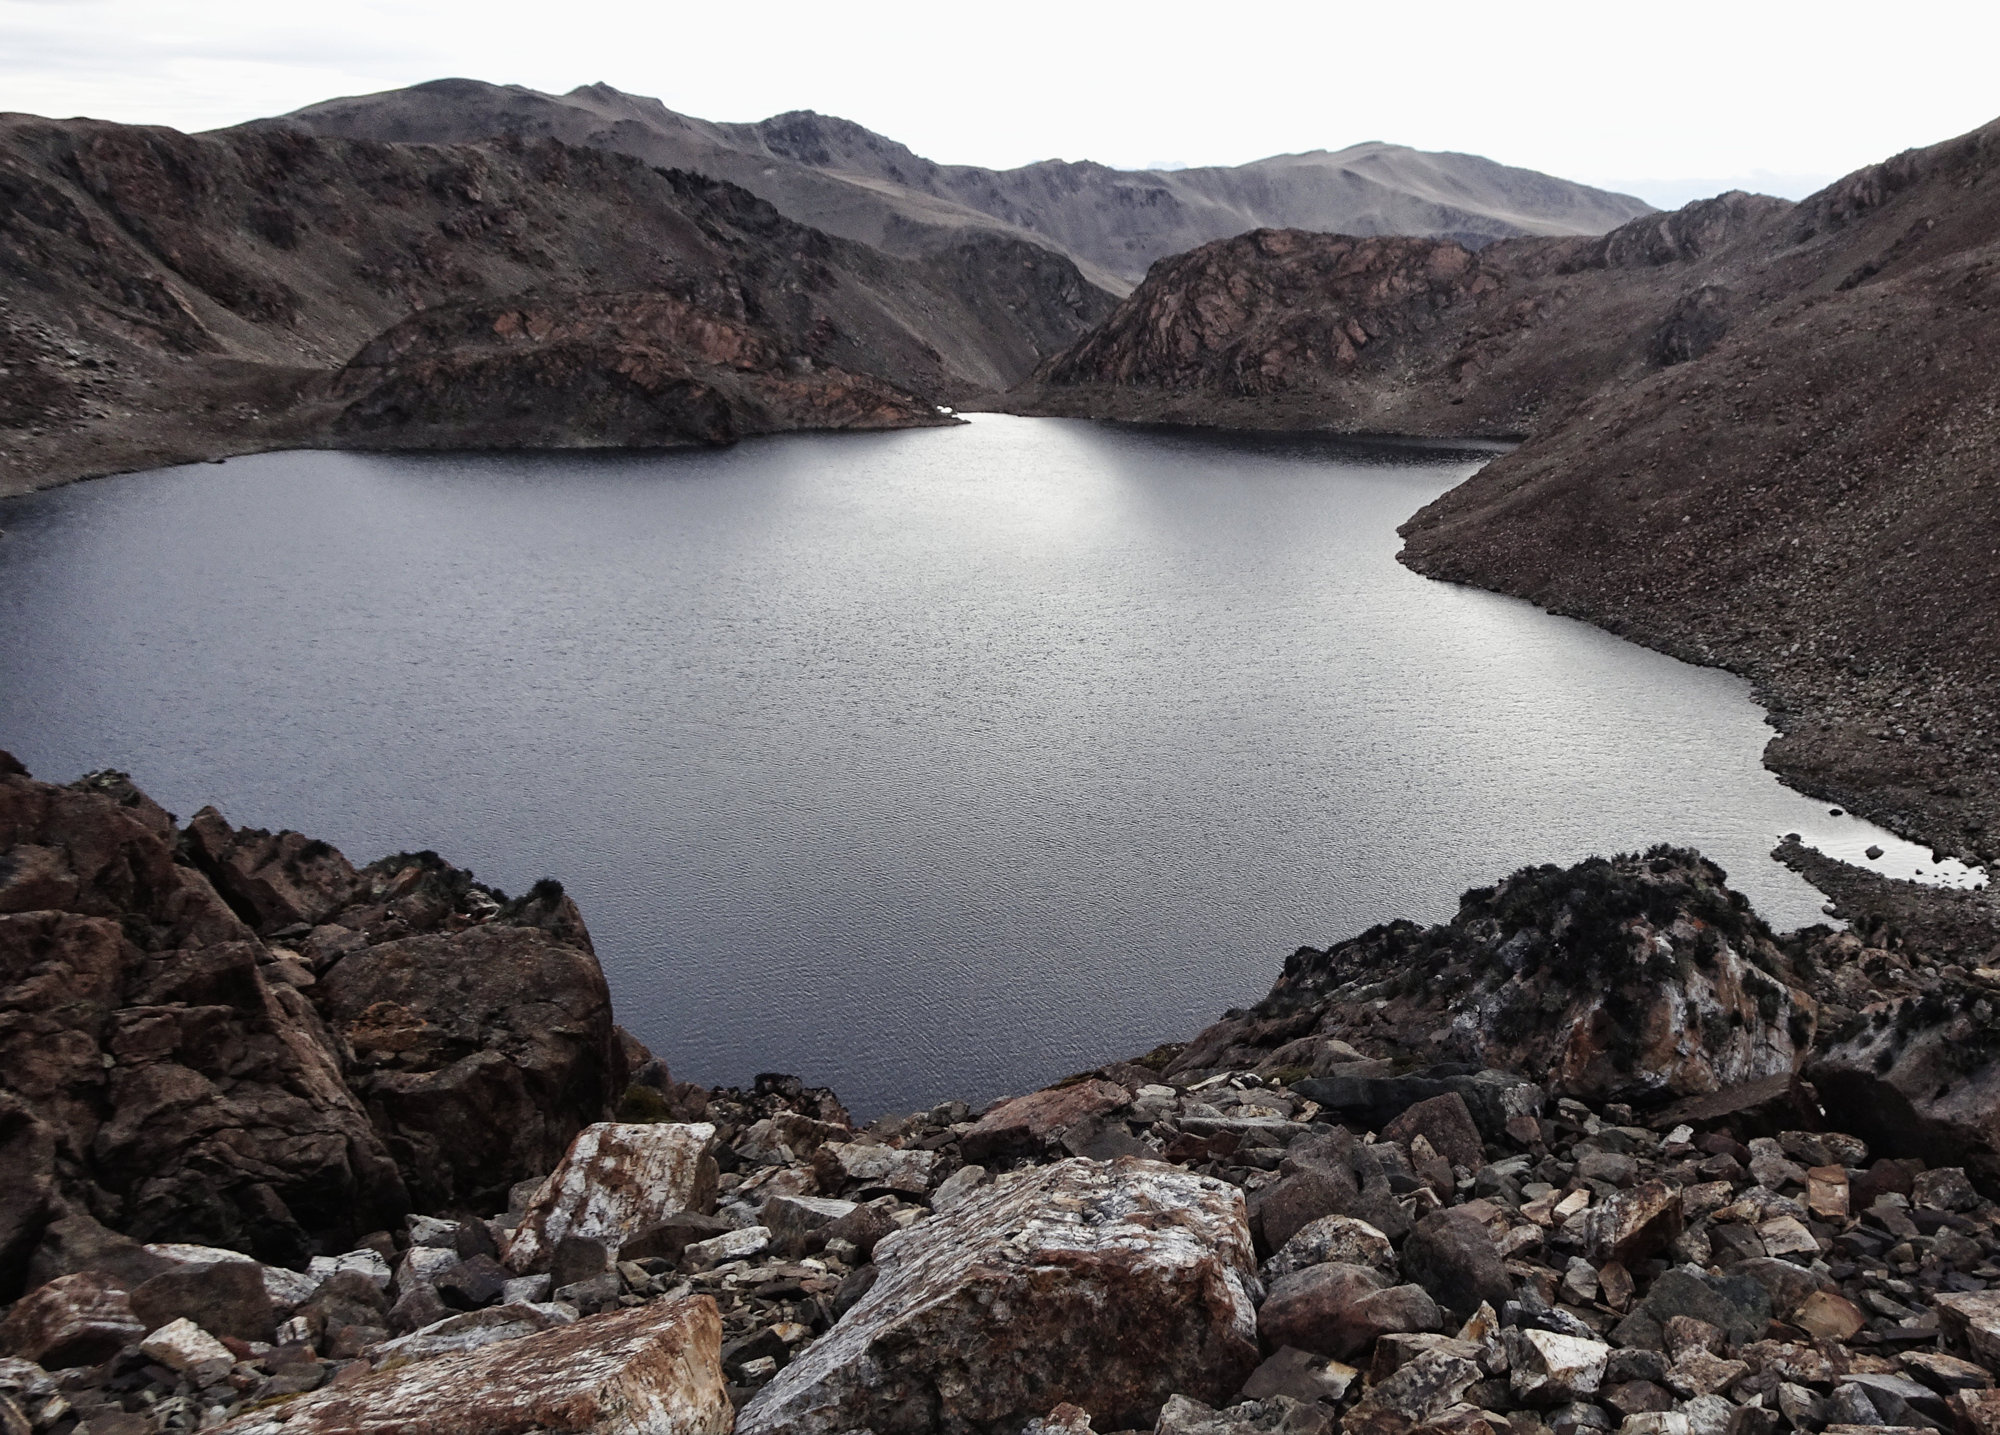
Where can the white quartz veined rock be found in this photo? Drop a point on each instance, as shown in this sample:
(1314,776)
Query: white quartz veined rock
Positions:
(616,1179)
(1112,1286)
(651,1370)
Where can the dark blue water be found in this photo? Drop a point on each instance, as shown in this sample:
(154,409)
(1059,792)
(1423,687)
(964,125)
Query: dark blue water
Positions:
(926,764)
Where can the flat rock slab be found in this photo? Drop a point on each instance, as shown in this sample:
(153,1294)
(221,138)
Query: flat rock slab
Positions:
(1111,1287)
(616,1179)
(651,1370)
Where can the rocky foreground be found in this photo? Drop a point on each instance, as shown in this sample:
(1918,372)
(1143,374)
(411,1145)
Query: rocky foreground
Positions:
(288,1146)
(1758,434)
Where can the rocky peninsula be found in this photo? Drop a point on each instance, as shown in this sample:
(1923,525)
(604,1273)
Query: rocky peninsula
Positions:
(294,1146)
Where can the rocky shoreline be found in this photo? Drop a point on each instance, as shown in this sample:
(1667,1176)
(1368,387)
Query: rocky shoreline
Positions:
(1758,435)
(290,1146)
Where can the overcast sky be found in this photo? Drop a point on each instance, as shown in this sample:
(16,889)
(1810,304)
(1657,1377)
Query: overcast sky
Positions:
(1668,101)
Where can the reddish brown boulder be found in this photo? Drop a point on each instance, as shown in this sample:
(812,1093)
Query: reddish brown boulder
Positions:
(1445,1122)
(1451,1255)
(152,1074)
(272,880)
(1020,1127)
(223,1298)
(75,1320)
(478,1054)
(1340,1310)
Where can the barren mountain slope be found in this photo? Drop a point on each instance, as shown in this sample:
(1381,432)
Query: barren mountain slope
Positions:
(1815,502)
(168,297)
(1760,435)
(848,180)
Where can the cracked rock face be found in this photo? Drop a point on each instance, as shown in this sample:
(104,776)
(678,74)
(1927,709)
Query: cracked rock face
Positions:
(1112,1287)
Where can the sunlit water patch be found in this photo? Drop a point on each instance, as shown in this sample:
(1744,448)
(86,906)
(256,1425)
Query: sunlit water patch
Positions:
(922,764)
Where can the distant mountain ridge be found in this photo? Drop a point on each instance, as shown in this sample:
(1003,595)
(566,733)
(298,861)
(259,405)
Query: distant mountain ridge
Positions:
(841,177)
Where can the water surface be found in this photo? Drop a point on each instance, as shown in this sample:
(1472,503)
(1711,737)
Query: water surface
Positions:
(925,764)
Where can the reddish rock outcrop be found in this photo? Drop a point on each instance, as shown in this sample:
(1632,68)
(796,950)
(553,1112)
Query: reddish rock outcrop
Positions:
(653,1368)
(1922,1074)
(169,1071)
(1641,979)
(159,1082)
(598,370)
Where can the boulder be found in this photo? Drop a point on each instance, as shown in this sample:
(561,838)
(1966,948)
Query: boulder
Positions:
(1972,1319)
(1451,1255)
(1417,1394)
(479,1053)
(1491,1098)
(666,1239)
(1788,1285)
(794,1220)
(74,1320)
(345,1298)
(1734,1304)
(1272,1415)
(184,1346)
(1915,1077)
(614,1181)
(654,1367)
(1545,1368)
(276,880)
(1301,1375)
(470,1284)
(1110,1287)
(1346,1239)
(286,1288)
(1828,1315)
(1023,1125)
(1446,1123)
(1633,1224)
(188,1091)
(1307,1193)
(884,1168)
(1328,1174)
(468,1330)
(1340,1310)
(737,1245)
(224,1298)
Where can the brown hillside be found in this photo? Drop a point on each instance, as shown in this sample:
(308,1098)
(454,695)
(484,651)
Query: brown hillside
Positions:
(1759,435)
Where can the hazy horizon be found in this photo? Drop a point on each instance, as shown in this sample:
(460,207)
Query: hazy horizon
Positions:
(1769,96)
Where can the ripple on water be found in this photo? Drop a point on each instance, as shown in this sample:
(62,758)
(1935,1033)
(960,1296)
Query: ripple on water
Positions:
(925,764)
